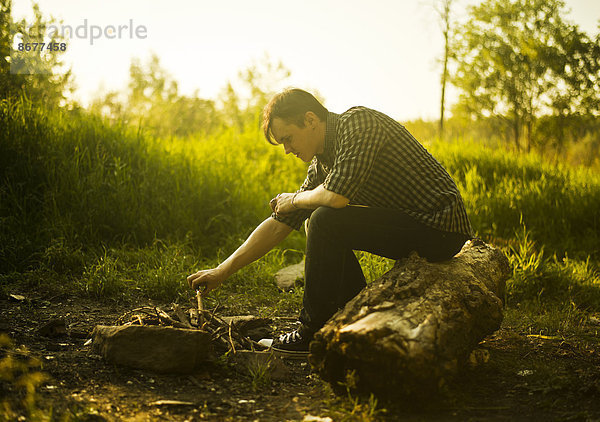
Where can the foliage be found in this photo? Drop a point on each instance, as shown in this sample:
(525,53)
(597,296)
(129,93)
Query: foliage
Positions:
(67,175)
(503,191)
(518,60)
(242,101)
(114,211)
(19,371)
(583,148)
(37,75)
(152,100)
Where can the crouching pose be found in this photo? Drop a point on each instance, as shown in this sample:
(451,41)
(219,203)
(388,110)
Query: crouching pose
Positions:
(370,186)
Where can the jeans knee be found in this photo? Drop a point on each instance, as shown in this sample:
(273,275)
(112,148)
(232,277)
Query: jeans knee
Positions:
(320,218)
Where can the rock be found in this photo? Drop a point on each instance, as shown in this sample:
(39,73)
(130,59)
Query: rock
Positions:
(56,327)
(159,349)
(251,326)
(289,277)
(411,329)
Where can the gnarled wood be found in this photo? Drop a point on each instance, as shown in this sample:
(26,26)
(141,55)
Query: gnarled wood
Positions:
(411,328)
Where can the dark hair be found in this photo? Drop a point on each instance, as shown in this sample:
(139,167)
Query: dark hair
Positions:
(291,105)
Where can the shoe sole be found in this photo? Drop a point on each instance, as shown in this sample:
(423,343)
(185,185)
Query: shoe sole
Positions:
(290,354)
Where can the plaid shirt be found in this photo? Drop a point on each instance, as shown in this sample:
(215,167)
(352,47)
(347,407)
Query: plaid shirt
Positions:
(374,161)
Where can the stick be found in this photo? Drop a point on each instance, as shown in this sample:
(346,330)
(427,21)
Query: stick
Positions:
(181,315)
(145,309)
(200,309)
(231,339)
(164,317)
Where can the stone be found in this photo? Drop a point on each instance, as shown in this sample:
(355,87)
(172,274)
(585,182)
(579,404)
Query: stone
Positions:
(56,327)
(251,326)
(155,348)
(289,277)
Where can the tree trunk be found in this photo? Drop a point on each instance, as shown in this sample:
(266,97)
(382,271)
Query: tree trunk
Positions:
(445,18)
(517,131)
(411,329)
(444,78)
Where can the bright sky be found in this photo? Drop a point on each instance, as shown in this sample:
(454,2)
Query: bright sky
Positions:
(380,53)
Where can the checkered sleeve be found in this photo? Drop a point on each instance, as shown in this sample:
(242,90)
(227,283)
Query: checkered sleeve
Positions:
(296,218)
(361,139)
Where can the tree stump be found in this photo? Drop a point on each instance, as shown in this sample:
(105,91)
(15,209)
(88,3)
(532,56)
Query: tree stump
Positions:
(410,330)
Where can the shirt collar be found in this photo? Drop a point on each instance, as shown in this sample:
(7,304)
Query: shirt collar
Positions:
(330,139)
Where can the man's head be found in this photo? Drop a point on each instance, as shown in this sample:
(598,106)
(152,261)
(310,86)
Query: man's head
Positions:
(296,119)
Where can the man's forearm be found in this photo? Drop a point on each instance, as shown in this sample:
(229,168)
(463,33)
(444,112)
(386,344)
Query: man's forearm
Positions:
(264,238)
(319,196)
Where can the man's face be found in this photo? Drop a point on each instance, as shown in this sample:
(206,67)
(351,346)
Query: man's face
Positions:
(302,142)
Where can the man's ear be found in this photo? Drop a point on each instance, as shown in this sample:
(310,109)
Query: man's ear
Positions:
(310,119)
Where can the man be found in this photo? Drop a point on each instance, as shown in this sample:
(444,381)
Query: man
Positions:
(370,186)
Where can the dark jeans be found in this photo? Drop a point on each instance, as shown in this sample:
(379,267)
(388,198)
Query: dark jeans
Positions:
(332,273)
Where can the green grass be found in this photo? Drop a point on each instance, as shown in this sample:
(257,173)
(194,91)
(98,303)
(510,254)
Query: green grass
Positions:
(114,211)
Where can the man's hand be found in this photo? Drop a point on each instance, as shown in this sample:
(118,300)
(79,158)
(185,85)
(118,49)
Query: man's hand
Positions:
(206,280)
(282,204)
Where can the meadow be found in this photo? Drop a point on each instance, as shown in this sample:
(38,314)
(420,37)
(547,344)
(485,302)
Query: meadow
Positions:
(113,210)
(110,213)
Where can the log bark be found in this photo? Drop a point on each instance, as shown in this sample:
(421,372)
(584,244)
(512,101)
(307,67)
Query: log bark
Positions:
(409,331)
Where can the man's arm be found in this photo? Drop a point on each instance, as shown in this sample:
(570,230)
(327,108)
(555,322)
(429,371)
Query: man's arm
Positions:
(264,238)
(313,199)
(310,200)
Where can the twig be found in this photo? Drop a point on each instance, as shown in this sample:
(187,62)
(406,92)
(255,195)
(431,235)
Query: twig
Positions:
(231,339)
(181,315)
(147,309)
(164,317)
(200,309)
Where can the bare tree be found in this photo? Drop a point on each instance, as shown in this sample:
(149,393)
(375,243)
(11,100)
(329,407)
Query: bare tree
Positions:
(444,8)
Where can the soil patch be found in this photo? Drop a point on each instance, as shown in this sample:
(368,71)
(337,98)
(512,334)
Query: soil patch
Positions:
(512,377)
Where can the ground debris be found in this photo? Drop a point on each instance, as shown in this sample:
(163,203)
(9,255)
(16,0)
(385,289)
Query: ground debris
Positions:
(172,403)
(151,338)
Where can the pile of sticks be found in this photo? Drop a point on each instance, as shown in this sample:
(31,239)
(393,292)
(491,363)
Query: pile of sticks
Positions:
(225,335)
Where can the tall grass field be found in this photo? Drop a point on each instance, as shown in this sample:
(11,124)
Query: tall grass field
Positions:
(108,211)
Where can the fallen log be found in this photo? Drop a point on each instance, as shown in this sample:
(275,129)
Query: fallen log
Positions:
(410,330)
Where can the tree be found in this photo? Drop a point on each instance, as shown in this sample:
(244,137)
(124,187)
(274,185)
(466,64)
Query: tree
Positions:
(243,100)
(575,99)
(39,75)
(5,25)
(152,99)
(519,59)
(444,12)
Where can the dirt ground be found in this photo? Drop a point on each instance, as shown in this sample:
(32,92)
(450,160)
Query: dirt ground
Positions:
(517,377)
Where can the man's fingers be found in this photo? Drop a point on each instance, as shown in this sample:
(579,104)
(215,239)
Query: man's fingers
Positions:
(191,278)
(273,204)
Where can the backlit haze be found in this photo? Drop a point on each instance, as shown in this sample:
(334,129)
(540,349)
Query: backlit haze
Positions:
(382,54)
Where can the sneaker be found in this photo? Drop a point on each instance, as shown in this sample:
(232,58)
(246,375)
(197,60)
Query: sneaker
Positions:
(291,345)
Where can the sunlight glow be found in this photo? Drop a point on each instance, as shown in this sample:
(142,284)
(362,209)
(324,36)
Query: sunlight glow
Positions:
(382,54)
